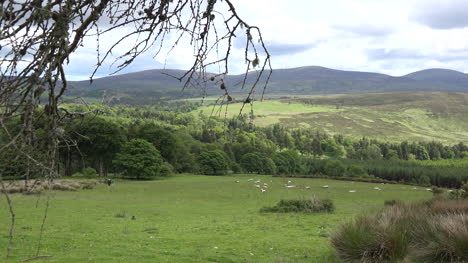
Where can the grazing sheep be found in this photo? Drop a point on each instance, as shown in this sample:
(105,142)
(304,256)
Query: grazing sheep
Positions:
(377,188)
(237,181)
(263,190)
(352,191)
(325,186)
(250,179)
(257,182)
(290,186)
(428,189)
(289,182)
(308,187)
(258,186)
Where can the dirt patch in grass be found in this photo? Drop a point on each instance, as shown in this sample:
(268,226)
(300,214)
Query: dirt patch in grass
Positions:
(38,186)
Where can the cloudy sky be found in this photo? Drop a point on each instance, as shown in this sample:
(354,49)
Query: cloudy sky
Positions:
(394,37)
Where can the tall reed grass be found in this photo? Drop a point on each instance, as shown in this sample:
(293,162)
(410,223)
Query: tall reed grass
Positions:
(435,231)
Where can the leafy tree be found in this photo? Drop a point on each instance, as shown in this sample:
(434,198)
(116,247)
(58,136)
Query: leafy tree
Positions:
(391,155)
(251,163)
(287,162)
(424,180)
(335,168)
(355,171)
(213,162)
(332,148)
(99,140)
(421,153)
(268,166)
(317,147)
(139,159)
(162,139)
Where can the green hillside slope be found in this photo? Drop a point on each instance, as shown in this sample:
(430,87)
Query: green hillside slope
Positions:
(417,116)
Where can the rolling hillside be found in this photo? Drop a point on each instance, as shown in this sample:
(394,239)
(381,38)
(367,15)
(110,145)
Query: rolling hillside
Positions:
(396,116)
(152,85)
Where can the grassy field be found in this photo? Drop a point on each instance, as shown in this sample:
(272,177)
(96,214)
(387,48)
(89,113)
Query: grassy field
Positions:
(188,218)
(415,116)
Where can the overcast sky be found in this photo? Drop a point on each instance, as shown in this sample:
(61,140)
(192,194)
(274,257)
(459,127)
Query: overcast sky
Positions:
(394,37)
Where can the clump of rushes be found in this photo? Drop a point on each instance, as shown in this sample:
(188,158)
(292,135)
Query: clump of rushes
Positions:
(435,231)
(311,205)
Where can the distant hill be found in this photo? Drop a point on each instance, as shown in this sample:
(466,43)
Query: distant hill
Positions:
(152,85)
(441,77)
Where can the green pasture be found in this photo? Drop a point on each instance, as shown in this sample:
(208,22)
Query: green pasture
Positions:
(188,218)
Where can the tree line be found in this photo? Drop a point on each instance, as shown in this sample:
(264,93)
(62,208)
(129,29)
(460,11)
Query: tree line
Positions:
(148,142)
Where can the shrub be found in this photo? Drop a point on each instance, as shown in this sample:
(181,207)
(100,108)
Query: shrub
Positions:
(166,170)
(443,238)
(235,168)
(312,205)
(89,172)
(392,202)
(434,231)
(366,240)
(437,191)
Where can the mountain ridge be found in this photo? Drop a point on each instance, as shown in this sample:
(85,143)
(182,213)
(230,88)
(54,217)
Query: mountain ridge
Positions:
(307,80)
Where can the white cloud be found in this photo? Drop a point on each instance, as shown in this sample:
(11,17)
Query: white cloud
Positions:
(388,36)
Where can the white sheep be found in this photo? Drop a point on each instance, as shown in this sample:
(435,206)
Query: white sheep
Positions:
(263,190)
(258,186)
(352,191)
(325,186)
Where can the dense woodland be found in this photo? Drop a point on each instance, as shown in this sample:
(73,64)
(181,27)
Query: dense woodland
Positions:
(147,142)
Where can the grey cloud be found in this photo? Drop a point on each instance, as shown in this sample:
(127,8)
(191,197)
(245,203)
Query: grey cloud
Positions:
(365,30)
(387,54)
(281,49)
(448,14)
(277,48)
(84,66)
(413,54)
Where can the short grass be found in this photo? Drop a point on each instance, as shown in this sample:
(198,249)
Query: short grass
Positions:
(189,218)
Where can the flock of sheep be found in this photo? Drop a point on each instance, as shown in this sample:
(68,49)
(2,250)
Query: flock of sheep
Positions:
(263,187)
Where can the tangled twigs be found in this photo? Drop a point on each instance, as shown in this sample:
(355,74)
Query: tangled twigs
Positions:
(37,38)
